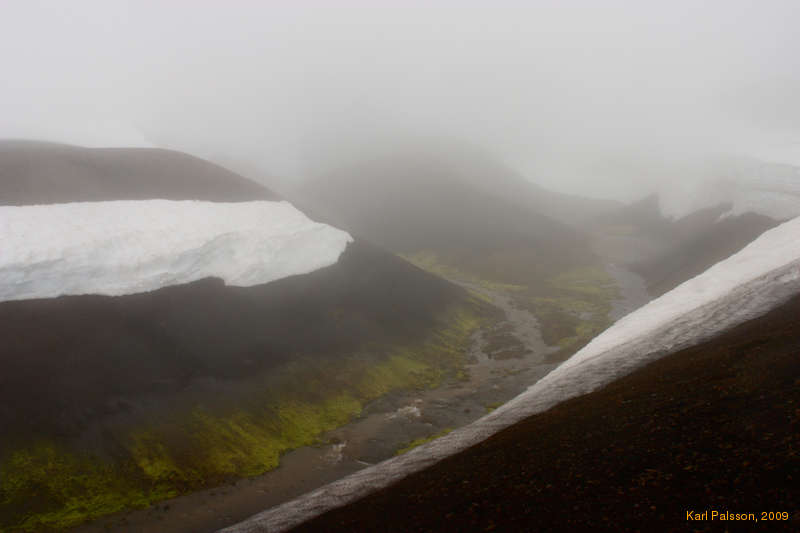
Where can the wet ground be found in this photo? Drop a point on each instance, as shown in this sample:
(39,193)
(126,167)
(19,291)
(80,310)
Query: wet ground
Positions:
(503,360)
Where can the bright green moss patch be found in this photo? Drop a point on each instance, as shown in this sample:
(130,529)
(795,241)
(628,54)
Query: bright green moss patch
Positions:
(151,456)
(49,486)
(419,442)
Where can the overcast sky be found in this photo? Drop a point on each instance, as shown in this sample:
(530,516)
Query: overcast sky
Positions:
(566,92)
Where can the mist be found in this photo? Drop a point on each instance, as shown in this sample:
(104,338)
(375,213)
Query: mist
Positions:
(610,100)
(265,264)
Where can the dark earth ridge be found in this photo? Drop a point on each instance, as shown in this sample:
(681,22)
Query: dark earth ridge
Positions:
(81,353)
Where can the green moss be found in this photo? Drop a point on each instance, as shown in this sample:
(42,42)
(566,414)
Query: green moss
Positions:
(591,281)
(419,442)
(151,456)
(245,444)
(573,308)
(45,488)
(50,486)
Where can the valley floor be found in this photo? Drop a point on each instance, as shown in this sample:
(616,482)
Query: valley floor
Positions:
(504,359)
(715,427)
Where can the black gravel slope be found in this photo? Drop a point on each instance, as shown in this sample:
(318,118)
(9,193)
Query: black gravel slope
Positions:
(713,427)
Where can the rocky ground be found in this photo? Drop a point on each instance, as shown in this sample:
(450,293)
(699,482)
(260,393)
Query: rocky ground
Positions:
(714,427)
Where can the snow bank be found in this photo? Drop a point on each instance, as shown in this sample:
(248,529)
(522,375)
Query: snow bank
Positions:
(771,190)
(761,276)
(126,247)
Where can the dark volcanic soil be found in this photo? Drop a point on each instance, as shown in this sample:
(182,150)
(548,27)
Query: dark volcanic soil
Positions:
(713,427)
(667,252)
(383,427)
(704,247)
(95,356)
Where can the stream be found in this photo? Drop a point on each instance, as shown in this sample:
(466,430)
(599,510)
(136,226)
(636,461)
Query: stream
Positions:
(384,426)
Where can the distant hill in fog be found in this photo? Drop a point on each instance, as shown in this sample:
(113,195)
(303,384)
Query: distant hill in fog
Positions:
(463,205)
(33,172)
(679,249)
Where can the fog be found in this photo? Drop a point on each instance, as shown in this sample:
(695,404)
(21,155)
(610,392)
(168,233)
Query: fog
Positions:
(609,99)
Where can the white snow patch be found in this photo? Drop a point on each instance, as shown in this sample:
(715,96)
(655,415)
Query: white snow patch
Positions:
(125,247)
(760,277)
(746,285)
(768,189)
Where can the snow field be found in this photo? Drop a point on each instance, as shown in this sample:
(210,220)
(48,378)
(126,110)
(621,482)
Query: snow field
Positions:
(124,247)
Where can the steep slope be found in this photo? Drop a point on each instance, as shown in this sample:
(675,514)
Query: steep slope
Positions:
(111,402)
(763,276)
(665,251)
(711,428)
(101,358)
(698,249)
